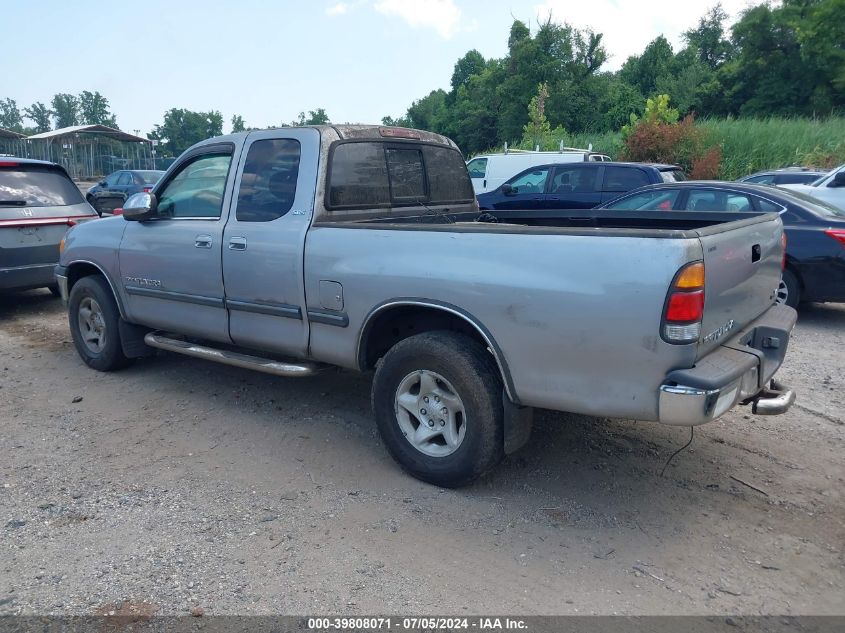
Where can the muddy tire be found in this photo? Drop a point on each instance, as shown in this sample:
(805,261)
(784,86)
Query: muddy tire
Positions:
(437,399)
(93,318)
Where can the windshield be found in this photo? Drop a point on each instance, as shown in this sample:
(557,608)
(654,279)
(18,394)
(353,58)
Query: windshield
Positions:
(815,205)
(150,177)
(28,185)
(672,175)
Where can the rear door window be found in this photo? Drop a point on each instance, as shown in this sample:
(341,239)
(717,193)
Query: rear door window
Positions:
(659,199)
(125,178)
(268,182)
(624,178)
(715,200)
(575,179)
(23,185)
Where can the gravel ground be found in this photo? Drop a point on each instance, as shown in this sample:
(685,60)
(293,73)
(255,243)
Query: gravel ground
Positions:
(178,484)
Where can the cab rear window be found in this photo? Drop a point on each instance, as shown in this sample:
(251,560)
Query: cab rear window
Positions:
(378,174)
(26,185)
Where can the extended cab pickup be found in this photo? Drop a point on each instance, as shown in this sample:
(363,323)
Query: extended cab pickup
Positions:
(295,249)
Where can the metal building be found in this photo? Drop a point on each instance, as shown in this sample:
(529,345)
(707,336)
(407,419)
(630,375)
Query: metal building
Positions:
(12,143)
(89,152)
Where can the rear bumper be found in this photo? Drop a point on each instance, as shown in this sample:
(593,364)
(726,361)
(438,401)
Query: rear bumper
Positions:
(740,371)
(22,277)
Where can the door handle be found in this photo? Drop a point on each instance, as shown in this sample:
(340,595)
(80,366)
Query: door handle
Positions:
(237,243)
(202,241)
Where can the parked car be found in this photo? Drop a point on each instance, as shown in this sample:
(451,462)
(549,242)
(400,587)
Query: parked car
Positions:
(294,249)
(112,191)
(38,202)
(489,171)
(829,188)
(815,230)
(575,185)
(785,176)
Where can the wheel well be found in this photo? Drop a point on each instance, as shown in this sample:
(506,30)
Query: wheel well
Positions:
(78,271)
(392,325)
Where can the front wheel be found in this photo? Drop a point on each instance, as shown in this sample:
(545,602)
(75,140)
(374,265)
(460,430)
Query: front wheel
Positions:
(93,318)
(437,399)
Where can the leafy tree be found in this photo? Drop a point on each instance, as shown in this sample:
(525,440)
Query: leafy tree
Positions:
(708,39)
(656,62)
(94,110)
(315,117)
(182,128)
(402,121)
(10,115)
(472,63)
(238,123)
(538,125)
(65,110)
(40,115)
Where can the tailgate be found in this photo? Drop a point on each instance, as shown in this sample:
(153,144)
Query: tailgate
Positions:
(742,268)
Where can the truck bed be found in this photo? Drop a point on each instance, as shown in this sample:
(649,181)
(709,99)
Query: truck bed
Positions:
(665,224)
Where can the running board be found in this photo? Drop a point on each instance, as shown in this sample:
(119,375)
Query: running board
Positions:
(266,365)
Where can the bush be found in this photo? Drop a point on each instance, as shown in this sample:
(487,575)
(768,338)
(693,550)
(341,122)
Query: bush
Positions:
(683,144)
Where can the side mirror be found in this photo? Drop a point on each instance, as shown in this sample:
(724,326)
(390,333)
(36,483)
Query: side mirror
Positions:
(139,207)
(103,183)
(838,180)
(508,190)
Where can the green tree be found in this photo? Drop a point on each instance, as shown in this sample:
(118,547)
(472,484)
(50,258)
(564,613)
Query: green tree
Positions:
(94,110)
(65,110)
(314,117)
(538,125)
(182,128)
(238,123)
(645,72)
(473,63)
(708,40)
(40,115)
(10,115)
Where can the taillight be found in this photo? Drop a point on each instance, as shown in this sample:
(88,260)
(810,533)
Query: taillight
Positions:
(837,234)
(783,258)
(685,305)
(147,189)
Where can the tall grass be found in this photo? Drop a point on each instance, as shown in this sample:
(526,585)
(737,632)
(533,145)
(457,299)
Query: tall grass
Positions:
(748,145)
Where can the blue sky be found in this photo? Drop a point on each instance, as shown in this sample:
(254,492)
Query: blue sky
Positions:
(268,61)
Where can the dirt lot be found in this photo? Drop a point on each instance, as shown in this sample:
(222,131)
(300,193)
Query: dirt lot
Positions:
(178,483)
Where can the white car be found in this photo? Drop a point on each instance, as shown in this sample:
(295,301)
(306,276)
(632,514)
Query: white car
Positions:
(829,188)
(489,171)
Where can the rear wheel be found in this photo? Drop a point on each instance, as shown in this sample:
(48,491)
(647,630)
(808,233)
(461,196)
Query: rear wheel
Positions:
(93,317)
(437,398)
(789,289)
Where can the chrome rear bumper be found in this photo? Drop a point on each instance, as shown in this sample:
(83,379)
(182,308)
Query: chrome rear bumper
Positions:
(739,371)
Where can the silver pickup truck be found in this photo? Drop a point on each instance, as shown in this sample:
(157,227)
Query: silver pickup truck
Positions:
(290,250)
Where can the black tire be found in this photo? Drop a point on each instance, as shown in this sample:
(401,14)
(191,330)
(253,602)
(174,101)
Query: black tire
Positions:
(472,372)
(54,290)
(111,356)
(792,287)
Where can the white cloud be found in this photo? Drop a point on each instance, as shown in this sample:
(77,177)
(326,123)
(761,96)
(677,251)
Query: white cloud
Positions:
(337,9)
(441,15)
(629,26)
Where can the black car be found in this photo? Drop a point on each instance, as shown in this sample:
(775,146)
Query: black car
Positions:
(111,192)
(581,185)
(815,231)
(785,176)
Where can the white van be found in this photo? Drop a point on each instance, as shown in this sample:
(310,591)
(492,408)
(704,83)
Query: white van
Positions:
(491,170)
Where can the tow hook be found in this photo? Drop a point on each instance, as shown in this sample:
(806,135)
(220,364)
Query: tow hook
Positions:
(772,400)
